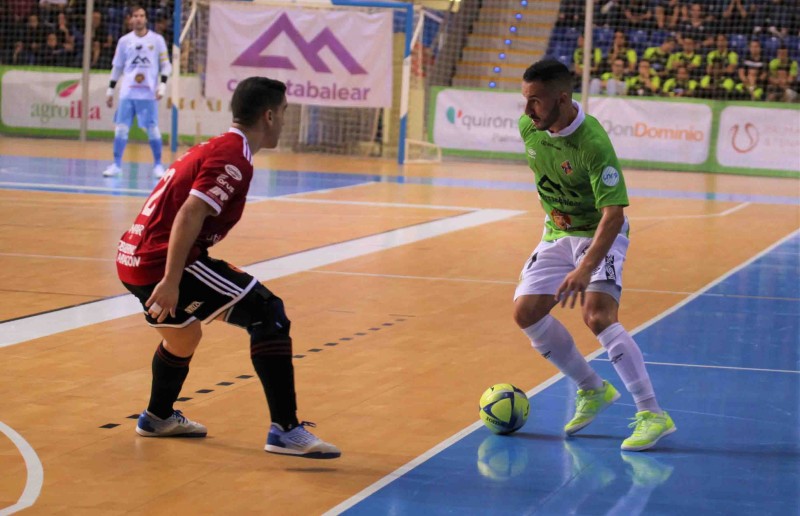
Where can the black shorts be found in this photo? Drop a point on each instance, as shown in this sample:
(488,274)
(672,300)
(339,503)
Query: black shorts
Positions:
(208,287)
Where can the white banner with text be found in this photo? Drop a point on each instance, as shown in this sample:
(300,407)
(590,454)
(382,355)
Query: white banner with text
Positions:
(751,137)
(640,130)
(325,57)
(50,101)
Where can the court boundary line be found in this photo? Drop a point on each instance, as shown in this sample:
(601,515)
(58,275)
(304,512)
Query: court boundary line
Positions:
(704,366)
(402,470)
(33,467)
(63,319)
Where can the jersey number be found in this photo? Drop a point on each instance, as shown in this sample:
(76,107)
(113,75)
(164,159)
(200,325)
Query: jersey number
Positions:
(546,185)
(150,205)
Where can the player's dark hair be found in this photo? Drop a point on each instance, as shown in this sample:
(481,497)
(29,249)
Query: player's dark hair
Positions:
(255,95)
(136,7)
(551,72)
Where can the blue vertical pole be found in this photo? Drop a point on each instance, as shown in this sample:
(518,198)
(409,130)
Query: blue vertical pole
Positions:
(176,63)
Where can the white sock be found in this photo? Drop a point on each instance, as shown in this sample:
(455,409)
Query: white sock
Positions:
(553,342)
(627,359)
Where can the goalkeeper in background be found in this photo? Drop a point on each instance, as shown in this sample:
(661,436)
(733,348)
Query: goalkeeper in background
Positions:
(142,62)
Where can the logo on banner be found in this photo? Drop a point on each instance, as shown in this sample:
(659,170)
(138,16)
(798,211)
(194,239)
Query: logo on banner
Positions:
(309,49)
(748,141)
(64,89)
(452,114)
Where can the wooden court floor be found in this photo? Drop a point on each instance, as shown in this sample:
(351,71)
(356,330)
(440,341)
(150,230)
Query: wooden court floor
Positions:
(399,337)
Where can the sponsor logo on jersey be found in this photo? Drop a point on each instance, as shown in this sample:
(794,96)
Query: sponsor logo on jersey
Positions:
(218,193)
(561,219)
(222,180)
(140,60)
(194,305)
(610,176)
(566,167)
(532,153)
(234,172)
(139,78)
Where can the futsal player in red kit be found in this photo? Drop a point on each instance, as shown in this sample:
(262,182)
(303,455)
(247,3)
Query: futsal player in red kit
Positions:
(163,260)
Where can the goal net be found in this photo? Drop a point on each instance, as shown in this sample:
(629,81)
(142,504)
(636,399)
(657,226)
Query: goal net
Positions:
(355,74)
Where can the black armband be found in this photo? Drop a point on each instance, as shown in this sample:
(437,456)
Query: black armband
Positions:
(164,79)
(112,83)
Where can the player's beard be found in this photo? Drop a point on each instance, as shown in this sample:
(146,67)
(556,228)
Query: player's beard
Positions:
(545,123)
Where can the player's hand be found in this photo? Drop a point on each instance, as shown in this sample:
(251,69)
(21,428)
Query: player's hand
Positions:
(161,90)
(163,301)
(574,286)
(110,97)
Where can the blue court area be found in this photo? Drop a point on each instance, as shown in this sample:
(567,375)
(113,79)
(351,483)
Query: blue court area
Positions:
(726,366)
(85,176)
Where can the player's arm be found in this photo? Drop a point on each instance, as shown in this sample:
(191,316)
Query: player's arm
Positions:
(165,68)
(117,67)
(576,282)
(185,230)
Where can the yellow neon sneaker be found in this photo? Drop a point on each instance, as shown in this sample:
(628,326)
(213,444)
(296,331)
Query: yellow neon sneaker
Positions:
(648,428)
(588,404)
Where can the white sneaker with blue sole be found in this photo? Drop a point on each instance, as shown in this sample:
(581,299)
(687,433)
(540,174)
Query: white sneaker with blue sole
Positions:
(299,442)
(177,425)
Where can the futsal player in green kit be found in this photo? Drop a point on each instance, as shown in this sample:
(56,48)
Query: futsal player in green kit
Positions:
(580,257)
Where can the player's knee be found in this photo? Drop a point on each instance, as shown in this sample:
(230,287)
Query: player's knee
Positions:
(263,315)
(153,133)
(121,131)
(182,342)
(526,315)
(598,320)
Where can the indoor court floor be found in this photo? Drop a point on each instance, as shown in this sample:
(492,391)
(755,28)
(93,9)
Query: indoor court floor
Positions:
(399,284)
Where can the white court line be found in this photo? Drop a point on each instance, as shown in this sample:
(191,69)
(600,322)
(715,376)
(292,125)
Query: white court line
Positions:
(402,470)
(45,186)
(57,257)
(35,478)
(709,216)
(42,325)
(505,282)
(378,204)
(703,366)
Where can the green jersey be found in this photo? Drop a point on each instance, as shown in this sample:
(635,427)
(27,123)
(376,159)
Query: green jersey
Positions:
(577,173)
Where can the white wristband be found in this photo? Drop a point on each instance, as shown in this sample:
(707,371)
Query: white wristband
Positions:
(162,88)
(110,92)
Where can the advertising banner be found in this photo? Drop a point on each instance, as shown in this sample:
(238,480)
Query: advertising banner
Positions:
(665,132)
(640,130)
(325,57)
(751,137)
(478,120)
(49,103)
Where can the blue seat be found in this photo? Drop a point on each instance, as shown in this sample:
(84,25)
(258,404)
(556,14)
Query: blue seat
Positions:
(658,37)
(565,60)
(738,43)
(603,38)
(771,45)
(793,42)
(639,40)
(558,34)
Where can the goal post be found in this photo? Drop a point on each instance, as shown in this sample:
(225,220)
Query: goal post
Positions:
(356,130)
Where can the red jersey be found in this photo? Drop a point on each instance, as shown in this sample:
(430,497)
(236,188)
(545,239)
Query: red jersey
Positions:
(219,172)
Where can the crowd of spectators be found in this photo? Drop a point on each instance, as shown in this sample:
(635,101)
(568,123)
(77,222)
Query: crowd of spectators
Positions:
(51,32)
(718,49)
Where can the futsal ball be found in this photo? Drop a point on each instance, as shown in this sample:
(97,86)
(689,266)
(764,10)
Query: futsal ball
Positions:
(504,408)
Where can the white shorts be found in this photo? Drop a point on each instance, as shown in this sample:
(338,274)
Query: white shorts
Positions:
(550,262)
